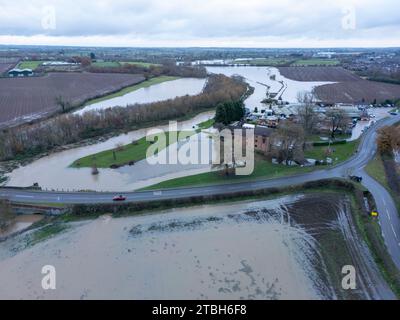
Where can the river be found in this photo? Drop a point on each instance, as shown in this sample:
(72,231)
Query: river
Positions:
(53,172)
(158,92)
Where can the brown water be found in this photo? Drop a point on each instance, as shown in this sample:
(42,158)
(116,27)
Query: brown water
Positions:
(207,252)
(20,223)
(53,171)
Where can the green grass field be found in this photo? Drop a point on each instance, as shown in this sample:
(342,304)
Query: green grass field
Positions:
(206,124)
(106,64)
(29,64)
(144,84)
(123,155)
(377,171)
(141,64)
(316,62)
(116,64)
(264,62)
(263,169)
(341,151)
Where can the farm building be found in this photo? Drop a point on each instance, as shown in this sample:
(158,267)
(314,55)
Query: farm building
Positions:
(20,73)
(351,110)
(262,141)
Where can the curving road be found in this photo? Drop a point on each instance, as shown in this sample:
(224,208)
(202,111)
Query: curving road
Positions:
(389,218)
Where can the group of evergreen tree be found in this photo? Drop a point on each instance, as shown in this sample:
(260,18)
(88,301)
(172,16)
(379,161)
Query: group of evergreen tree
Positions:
(228,112)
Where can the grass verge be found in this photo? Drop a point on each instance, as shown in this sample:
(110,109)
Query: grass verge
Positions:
(47,232)
(263,169)
(376,170)
(340,152)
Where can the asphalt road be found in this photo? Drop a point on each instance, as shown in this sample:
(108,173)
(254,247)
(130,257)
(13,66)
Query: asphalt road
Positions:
(389,218)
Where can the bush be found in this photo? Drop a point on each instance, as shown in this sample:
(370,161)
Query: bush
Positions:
(327,143)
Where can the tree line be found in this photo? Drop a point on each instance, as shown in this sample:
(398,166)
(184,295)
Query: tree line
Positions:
(388,140)
(154,70)
(66,129)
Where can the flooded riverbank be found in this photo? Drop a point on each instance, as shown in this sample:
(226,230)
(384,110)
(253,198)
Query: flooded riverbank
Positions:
(142,174)
(122,179)
(265,79)
(20,223)
(247,250)
(157,92)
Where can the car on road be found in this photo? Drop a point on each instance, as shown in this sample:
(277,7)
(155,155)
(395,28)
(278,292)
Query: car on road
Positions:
(356,178)
(394,113)
(119,198)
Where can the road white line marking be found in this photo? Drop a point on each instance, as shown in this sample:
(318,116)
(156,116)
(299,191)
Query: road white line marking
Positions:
(28,197)
(388,214)
(394,231)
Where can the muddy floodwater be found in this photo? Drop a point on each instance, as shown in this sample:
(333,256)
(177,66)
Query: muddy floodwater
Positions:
(264,79)
(246,250)
(20,223)
(60,176)
(158,92)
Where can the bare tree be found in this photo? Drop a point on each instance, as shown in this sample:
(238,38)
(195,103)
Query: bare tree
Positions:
(63,104)
(306,112)
(388,140)
(337,119)
(288,142)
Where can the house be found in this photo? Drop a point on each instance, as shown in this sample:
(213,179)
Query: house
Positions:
(262,139)
(20,73)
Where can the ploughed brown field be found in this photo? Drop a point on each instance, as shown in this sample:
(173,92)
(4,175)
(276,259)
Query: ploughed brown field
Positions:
(5,67)
(25,99)
(349,87)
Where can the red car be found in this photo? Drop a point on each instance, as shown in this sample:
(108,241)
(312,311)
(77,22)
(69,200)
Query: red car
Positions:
(119,198)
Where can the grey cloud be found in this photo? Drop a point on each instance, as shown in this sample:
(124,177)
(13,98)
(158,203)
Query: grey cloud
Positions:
(193,19)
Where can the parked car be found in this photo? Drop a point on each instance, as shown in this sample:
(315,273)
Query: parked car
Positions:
(356,178)
(119,198)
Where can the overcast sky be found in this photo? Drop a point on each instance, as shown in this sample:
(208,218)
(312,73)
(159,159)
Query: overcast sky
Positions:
(222,23)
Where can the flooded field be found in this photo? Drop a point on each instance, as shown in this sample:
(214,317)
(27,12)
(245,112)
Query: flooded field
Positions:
(122,179)
(262,78)
(248,250)
(158,92)
(20,223)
